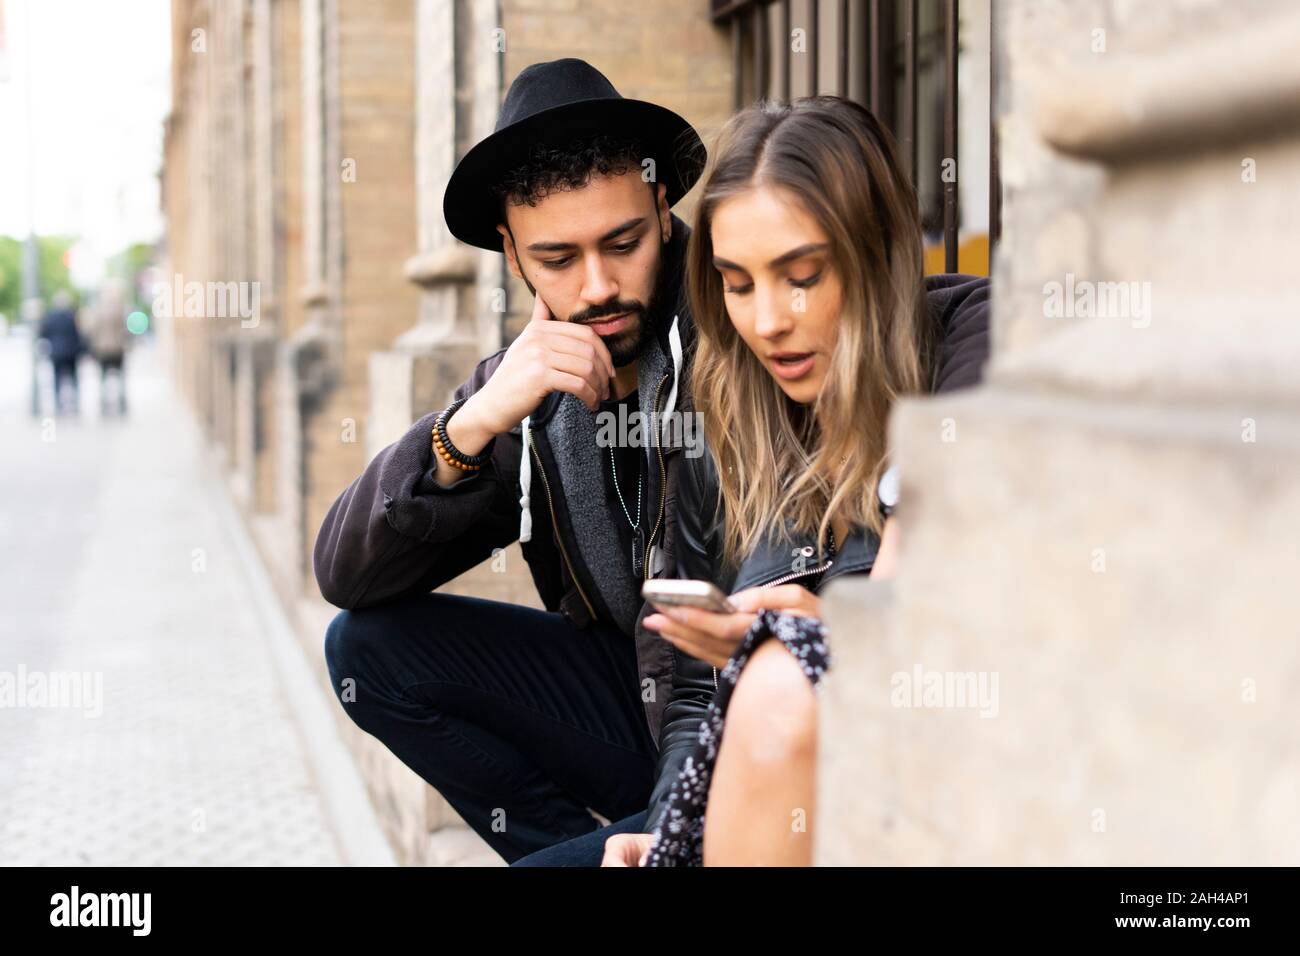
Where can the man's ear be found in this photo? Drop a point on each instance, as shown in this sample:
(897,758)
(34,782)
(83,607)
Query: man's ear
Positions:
(665,215)
(508,247)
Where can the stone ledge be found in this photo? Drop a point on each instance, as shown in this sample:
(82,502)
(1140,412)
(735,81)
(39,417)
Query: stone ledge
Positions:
(446,265)
(1230,84)
(1123,733)
(858,615)
(314,294)
(1210,421)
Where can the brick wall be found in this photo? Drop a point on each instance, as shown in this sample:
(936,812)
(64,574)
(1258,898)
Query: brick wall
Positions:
(255,189)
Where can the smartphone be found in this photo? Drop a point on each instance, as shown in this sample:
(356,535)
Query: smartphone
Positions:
(666,592)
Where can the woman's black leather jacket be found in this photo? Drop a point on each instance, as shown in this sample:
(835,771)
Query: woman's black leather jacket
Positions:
(960,304)
(699,543)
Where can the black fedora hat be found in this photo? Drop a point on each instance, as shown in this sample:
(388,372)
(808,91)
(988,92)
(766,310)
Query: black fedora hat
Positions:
(555,103)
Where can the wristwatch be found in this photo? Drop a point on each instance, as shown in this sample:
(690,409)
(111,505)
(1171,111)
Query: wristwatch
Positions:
(887,491)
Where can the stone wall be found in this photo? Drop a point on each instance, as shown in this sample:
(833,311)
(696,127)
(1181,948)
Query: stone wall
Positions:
(1101,538)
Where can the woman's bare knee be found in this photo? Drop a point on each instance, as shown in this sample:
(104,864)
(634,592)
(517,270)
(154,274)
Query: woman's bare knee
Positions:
(772,716)
(762,794)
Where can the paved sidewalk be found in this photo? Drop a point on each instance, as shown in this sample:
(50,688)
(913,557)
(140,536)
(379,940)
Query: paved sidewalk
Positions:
(117,563)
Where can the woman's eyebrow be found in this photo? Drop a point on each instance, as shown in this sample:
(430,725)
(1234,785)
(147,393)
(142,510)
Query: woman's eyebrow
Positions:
(798,252)
(721,263)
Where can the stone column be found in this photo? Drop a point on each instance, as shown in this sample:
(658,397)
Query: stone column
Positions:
(430,359)
(1087,656)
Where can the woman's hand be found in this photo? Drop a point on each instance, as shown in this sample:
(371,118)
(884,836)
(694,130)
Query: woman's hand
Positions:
(707,635)
(788,598)
(627,849)
(713,637)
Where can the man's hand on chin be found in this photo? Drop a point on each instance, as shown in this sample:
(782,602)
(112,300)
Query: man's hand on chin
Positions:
(627,849)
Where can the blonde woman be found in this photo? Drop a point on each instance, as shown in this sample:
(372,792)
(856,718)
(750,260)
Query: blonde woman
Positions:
(814,316)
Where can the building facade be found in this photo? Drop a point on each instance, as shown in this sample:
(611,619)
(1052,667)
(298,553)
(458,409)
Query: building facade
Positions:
(305,160)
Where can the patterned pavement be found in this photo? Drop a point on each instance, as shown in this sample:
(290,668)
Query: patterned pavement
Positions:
(117,566)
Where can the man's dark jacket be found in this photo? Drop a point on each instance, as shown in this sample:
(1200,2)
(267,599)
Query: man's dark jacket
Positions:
(395,532)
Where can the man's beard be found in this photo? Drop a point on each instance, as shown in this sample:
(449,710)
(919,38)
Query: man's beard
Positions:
(627,346)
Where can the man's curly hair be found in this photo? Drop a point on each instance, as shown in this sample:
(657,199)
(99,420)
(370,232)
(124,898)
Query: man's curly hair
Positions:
(550,168)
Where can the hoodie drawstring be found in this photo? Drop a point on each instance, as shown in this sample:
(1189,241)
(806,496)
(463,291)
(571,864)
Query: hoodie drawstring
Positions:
(526,460)
(675,347)
(525,486)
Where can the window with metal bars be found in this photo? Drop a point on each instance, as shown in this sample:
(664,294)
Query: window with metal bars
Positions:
(923,67)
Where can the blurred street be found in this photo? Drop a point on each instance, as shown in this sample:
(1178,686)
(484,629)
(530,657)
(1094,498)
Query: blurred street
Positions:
(119,563)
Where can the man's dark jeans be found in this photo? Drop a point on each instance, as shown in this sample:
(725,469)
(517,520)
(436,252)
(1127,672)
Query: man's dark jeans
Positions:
(520,720)
(586,850)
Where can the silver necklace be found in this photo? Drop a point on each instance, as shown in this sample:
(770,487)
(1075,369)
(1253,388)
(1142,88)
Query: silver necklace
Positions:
(636,525)
(638,536)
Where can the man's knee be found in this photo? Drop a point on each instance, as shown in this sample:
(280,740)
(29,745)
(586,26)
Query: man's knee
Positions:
(367,653)
(772,715)
(341,645)
(357,641)
(354,647)
(341,650)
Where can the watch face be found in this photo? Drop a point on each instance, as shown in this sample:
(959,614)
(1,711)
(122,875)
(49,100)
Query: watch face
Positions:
(888,489)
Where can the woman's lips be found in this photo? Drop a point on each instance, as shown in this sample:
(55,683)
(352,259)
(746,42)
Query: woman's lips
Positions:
(792,365)
(610,324)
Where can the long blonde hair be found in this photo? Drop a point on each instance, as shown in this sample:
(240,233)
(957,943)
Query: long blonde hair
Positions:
(778,459)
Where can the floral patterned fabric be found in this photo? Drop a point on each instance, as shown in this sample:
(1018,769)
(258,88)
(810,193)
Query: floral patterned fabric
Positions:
(679,840)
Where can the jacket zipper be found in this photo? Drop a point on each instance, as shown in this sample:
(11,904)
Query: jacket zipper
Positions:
(786,579)
(555,527)
(663,484)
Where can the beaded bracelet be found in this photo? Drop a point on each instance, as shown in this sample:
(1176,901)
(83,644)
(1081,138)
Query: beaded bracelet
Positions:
(450,453)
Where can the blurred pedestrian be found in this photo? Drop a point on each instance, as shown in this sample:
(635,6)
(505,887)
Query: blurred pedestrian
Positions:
(66,346)
(107,336)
